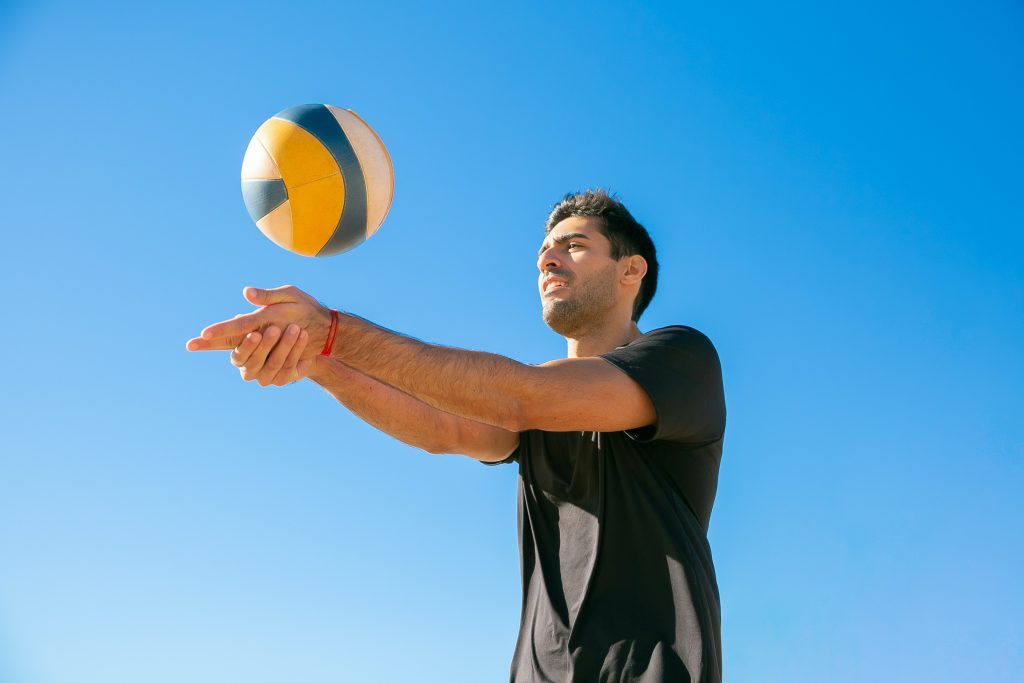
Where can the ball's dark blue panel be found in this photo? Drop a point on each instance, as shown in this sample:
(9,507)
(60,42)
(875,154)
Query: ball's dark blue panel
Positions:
(263,196)
(320,122)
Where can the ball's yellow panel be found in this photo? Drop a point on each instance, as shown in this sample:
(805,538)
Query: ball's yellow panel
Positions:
(374,162)
(299,156)
(257,164)
(316,210)
(277,225)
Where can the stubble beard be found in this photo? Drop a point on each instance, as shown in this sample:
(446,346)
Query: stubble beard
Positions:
(587,307)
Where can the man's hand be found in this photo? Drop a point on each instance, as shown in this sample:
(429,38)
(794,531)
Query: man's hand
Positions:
(279,308)
(271,358)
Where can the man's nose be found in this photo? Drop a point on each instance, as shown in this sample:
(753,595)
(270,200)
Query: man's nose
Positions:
(547,258)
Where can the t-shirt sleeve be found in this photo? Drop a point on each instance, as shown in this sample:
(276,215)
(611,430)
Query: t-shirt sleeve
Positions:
(679,369)
(513,457)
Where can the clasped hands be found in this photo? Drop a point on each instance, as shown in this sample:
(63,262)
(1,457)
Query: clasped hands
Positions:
(278,343)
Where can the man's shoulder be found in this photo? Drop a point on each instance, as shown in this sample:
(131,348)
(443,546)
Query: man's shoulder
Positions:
(669,348)
(674,329)
(681,334)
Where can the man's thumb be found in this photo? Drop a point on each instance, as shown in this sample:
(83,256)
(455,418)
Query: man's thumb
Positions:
(266,297)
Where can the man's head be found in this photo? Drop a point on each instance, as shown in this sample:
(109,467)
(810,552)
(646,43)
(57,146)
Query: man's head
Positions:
(595,260)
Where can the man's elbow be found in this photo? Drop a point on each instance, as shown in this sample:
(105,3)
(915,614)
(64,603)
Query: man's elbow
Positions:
(515,416)
(509,413)
(437,449)
(440,439)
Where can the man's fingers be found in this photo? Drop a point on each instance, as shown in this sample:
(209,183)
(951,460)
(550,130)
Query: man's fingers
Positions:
(277,295)
(254,365)
(275,361)
(228,334)
(222,344)
(242,352)
(287,374)
(239,325)
(303,367)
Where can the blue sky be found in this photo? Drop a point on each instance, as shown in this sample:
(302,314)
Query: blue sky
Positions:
(835,193)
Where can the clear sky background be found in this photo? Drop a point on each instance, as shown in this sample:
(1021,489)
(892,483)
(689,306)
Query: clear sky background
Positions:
(836,196)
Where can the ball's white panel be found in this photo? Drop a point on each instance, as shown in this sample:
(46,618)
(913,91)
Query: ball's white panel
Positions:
(375,163)
(277,225)
(257,163)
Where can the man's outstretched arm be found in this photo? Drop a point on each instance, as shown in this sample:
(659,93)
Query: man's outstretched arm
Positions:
(409,420)
(564,395)
(394,412)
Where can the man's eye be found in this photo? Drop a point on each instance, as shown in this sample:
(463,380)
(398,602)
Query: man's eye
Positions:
(573,244)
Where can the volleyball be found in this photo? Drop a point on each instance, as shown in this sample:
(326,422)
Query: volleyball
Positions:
(317,180)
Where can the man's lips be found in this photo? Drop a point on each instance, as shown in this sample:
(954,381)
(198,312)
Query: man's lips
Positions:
(553,283)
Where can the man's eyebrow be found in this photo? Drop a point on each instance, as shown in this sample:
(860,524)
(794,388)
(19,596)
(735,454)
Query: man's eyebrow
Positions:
(562,238)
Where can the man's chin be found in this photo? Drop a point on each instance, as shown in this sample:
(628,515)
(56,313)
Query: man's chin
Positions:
(562,319)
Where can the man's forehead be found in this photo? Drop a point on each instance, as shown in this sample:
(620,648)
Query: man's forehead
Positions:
(588,227)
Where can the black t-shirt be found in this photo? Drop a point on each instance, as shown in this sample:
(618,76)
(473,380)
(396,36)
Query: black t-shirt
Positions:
(618,581)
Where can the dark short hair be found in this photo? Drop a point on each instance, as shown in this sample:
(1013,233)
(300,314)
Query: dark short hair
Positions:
(627,237)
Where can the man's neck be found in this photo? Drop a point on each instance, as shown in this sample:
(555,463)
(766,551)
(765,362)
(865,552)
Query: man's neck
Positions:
(601,339)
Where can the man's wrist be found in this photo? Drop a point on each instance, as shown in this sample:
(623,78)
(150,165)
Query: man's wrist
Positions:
(318,369)
(332,333)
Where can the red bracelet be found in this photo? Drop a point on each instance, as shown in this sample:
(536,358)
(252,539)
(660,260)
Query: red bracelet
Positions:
(331,334)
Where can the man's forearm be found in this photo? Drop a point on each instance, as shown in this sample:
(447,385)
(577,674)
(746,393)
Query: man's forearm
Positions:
(484,387)
(480,386)
(407,419)
(567,394)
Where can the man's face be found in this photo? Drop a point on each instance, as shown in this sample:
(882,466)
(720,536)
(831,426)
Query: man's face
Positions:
(578,280)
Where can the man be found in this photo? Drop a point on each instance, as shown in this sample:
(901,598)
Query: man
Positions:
(618,444)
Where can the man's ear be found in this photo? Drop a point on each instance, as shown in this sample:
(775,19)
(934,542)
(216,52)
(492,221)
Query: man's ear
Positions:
(635,269)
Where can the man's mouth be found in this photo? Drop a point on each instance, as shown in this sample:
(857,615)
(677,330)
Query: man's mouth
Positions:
(554,283)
